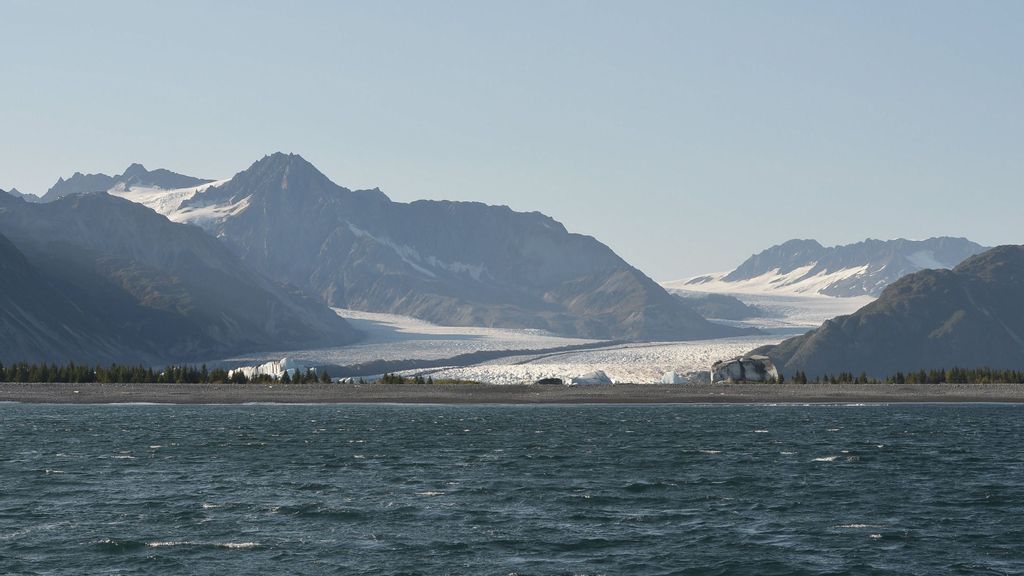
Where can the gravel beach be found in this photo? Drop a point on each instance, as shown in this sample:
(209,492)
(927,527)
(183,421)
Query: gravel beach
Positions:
(494,394)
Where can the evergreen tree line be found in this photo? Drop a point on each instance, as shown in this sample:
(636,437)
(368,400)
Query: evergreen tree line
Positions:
(953,375)
(398,379)
(122,374)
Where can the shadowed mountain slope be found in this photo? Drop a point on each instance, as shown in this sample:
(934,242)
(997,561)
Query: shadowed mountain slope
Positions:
(96,278)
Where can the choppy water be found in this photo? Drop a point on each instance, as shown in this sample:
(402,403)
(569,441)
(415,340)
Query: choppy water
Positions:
(502,490)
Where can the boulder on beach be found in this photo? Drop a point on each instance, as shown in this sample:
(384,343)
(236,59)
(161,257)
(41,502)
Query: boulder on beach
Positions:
(744,369)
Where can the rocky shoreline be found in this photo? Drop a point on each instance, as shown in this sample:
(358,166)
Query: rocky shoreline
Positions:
(494,394)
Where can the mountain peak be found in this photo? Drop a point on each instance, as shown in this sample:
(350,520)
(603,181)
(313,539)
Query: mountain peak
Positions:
(281,171)
(281,160)
(135,169)
(800,243)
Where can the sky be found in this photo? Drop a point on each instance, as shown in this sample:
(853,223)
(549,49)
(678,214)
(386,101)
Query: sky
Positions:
(684,135)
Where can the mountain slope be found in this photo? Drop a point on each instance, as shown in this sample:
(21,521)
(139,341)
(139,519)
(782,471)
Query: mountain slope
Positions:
(864,268)
(455,263)
(135,175)
(40,323)
(143,288)
(971,316)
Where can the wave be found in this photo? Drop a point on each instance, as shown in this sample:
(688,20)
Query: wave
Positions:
(238,545)
(859,526)
(168,543)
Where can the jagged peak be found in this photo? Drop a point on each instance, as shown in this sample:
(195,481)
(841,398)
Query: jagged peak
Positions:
(281,160)
(285,172)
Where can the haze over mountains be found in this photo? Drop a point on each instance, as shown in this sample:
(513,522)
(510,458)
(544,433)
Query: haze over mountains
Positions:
(455,263)
(863,268)
(94,278)
(968,317)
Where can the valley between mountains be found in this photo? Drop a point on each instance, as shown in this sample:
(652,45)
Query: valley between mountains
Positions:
(279,261)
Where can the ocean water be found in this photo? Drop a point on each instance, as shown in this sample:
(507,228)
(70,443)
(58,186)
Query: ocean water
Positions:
(910,489)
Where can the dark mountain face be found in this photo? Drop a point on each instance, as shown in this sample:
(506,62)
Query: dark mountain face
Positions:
(970,317)
(455,263)
(720,306)
(134,175)
(883,262)
(96,278)
(39,322)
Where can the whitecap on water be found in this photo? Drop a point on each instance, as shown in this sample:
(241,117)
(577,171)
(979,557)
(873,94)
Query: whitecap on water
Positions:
(859,526)
(238,545)
(430,493)
(168,543)
(826,459)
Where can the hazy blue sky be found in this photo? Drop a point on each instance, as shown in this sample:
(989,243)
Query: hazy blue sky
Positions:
(686,136)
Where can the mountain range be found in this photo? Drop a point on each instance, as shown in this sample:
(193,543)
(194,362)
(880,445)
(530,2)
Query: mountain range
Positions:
(970,317)
(453,263)
(863,268)
(135,175)
(94,278)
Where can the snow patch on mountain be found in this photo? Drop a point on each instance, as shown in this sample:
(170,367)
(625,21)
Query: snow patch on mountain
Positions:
(168,201)
(417,261)
(801,280)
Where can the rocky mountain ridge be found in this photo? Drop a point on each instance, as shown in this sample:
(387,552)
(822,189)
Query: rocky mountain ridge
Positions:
(862,268)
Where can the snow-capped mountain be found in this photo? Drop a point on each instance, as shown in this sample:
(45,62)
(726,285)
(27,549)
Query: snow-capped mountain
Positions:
(807,267)
(135,176)
(453,263)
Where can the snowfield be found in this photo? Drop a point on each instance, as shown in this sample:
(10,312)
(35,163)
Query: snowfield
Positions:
(164,201)
(633,363)
(786,311)
(394,337)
